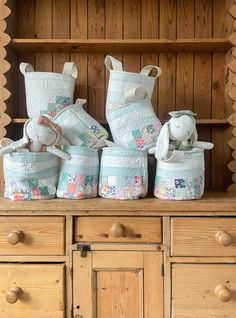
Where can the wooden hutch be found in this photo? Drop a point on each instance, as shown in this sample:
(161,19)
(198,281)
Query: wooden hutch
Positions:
(124,259)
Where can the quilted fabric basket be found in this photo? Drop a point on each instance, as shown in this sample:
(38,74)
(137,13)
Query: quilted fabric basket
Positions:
(129,110)
(47,92)
(123,174)
(182,177)
(79,128)
(78,177)
(30,176)
(135,124)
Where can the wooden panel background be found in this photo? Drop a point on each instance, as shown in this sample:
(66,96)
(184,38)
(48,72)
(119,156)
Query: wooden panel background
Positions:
(189,81)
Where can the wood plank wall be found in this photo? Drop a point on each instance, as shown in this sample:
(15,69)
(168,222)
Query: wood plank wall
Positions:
(190,80)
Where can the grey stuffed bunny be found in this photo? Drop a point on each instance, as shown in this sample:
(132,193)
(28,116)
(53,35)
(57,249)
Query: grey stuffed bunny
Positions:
(179,133)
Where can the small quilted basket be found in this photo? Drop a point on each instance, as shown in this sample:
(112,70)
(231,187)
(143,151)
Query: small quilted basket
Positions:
(123,174)
(78,177)
(47,92)
(30,175)
(79,128)
(181,178)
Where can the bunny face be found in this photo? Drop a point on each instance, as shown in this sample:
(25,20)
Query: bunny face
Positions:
(42,135)
(181,128)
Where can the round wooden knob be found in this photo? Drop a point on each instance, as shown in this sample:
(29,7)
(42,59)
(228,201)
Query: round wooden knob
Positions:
(117,230)
(15,237)
(13,295)
(223,238)
(223,293)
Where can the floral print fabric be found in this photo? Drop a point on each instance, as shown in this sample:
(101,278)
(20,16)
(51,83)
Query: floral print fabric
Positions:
(91,135)
(75,186)
(179,188)
(28,189)
(54,108)
(122,187)
(145,136)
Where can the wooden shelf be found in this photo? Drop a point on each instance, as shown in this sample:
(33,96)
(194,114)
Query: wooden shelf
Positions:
(112,46)
(216,122)
(212,203)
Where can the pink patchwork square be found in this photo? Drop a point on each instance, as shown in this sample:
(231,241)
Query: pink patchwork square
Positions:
(140,142)
(71,187)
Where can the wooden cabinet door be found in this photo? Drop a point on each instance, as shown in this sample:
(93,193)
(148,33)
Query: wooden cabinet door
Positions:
(118,284)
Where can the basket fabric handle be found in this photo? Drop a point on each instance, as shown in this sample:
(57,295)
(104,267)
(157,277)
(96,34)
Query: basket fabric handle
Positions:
(26,68)
(70,69)
(113,64)
(81,101)
(135,93)
(147,69)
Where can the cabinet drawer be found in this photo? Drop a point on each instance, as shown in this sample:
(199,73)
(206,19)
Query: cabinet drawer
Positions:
(40,287)
(31,235)
(203,291)
(203,236)
(118,229)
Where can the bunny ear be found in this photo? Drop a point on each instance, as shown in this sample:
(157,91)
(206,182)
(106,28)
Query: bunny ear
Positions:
(194,136)
(162,145)
(25,135)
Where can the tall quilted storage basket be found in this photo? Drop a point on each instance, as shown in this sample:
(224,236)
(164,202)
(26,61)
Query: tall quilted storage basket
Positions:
(30,176)
(47,92)
(78,177)
(123,174)
(182,177)
(129,111)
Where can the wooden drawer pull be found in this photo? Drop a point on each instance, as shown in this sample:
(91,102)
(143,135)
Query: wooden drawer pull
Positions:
(15,237)
(223,293)
(223,238)
(117,230)
(13,295)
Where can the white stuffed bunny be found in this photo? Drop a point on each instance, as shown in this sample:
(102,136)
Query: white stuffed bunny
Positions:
(179,133)
(40,134)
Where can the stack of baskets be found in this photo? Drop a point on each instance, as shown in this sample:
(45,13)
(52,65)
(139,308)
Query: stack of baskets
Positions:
(122,172)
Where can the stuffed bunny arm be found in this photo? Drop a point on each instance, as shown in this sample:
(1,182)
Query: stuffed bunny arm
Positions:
(203,145)
(199,144)
(58,152)
(13,145)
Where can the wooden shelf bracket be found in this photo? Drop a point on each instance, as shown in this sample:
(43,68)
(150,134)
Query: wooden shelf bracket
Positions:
(4,67)
(232,95)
